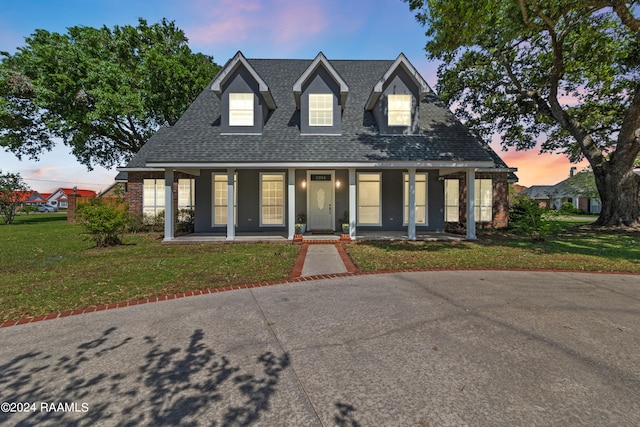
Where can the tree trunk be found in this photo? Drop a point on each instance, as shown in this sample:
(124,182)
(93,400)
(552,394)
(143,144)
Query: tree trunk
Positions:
(618,187)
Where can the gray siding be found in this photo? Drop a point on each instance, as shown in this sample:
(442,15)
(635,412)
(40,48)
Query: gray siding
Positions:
(398,84)
(320,82)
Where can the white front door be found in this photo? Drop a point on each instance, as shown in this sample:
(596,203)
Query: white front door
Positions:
(320,201)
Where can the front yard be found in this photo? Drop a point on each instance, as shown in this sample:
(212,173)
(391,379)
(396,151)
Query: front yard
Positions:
(47,266)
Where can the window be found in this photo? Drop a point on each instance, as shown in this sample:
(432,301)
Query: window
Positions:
(271,199)
(220,205)
(483,200)
(369,199)
(451,200)
(421,199)
(399,110)
(241,109)
(186,193)
(320,109)
(152,197)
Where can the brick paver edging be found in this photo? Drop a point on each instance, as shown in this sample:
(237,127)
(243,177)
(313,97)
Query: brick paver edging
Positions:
(275,282)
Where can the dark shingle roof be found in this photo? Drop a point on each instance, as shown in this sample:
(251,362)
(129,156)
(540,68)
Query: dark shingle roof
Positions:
(197,137)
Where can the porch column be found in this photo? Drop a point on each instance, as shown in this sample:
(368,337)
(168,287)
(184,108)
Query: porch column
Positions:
(411,226)
(231,214)
(168,205)
(471,204)
(292,202)
(352,203)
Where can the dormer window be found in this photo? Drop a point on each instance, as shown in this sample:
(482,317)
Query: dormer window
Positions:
(241,109)
(399,110)
(320,109)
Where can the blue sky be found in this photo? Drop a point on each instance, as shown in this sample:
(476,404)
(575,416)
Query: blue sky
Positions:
(341,29)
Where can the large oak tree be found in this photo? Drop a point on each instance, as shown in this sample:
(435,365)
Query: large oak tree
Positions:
(103,91)
(564,72)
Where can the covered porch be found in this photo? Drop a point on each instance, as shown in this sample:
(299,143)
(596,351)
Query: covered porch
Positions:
(320,193)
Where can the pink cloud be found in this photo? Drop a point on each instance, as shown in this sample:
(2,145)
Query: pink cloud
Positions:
(540,169)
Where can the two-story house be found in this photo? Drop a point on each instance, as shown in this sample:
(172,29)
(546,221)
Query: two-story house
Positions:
(271,138)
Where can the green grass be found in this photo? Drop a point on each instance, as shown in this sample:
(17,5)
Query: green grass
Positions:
(47,265)
(574,249)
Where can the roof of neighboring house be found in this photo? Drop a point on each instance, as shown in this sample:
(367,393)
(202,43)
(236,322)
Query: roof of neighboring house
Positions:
(539,191)
(69,191)
(197,136)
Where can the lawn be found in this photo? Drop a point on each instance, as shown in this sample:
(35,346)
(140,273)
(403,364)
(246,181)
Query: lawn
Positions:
(574,249)
(47,265)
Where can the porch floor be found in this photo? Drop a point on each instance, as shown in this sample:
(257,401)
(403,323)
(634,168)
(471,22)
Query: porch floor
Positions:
(282,237)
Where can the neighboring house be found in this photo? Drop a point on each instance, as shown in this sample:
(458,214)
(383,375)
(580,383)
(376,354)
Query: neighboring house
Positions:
(270,138)
(30,197)
(59,197)
(115,190)
(553,196)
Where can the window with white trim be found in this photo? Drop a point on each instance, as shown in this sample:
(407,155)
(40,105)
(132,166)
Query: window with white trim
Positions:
(421,198)
(369,196)
(451,200)
(483,200)
(399,110)
(220,196)
(152,197)
(272,199)
(241,109)
(320,109)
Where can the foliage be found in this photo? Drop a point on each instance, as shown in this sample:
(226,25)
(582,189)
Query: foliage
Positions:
(104,223)
(567,208)
(27,209)
(527,217)
(103,91)
(186,221)
(301,218)
(11,184)
(582,184)
(560,71)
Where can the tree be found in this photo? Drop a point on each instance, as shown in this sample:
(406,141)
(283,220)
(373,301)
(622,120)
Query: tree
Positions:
(103,91)
(583,184)
(11,187)
(563,71)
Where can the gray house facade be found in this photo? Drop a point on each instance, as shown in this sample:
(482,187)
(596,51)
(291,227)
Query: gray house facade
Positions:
(362,142)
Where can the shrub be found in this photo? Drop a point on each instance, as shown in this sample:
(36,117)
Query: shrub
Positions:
(567,208)
(103,223)
(27,209)
(186,221)
(527,217)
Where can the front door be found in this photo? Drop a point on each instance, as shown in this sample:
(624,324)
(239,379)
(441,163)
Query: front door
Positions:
(320,200)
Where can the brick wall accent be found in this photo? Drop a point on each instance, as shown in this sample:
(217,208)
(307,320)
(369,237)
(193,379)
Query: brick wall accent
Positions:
(500,198)
(71,207)
(135,184)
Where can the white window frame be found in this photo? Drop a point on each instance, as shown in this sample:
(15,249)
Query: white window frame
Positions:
(420,177)
(481,206)
(158,197)
(281,179)
(224,178)
(188,200)
(314,108)
(399,102)
(243,104)
(451,210)
(359,205)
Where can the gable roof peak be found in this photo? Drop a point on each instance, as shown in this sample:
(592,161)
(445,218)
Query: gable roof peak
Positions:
(321,61)
(400,62)
(229,69)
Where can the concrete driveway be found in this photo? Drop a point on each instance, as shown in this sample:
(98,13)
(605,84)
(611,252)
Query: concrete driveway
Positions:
(410,349)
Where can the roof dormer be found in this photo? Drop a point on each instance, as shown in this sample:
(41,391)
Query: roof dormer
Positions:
(395,98)
(320,94)
(245,97)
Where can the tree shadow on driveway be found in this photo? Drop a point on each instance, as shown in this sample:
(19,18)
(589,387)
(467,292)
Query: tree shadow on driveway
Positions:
(187,386)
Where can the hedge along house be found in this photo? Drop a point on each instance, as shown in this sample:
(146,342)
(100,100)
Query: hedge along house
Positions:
(269,139)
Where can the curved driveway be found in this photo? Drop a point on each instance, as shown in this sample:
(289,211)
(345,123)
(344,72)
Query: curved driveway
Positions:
(421,349)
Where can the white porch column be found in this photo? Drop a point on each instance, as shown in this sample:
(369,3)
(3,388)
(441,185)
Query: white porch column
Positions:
(168,205)
(471,204)
(352,203)
(231,214)
(291,196)
(411,228)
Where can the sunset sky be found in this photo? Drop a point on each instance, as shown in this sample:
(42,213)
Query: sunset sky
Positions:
(341,29)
